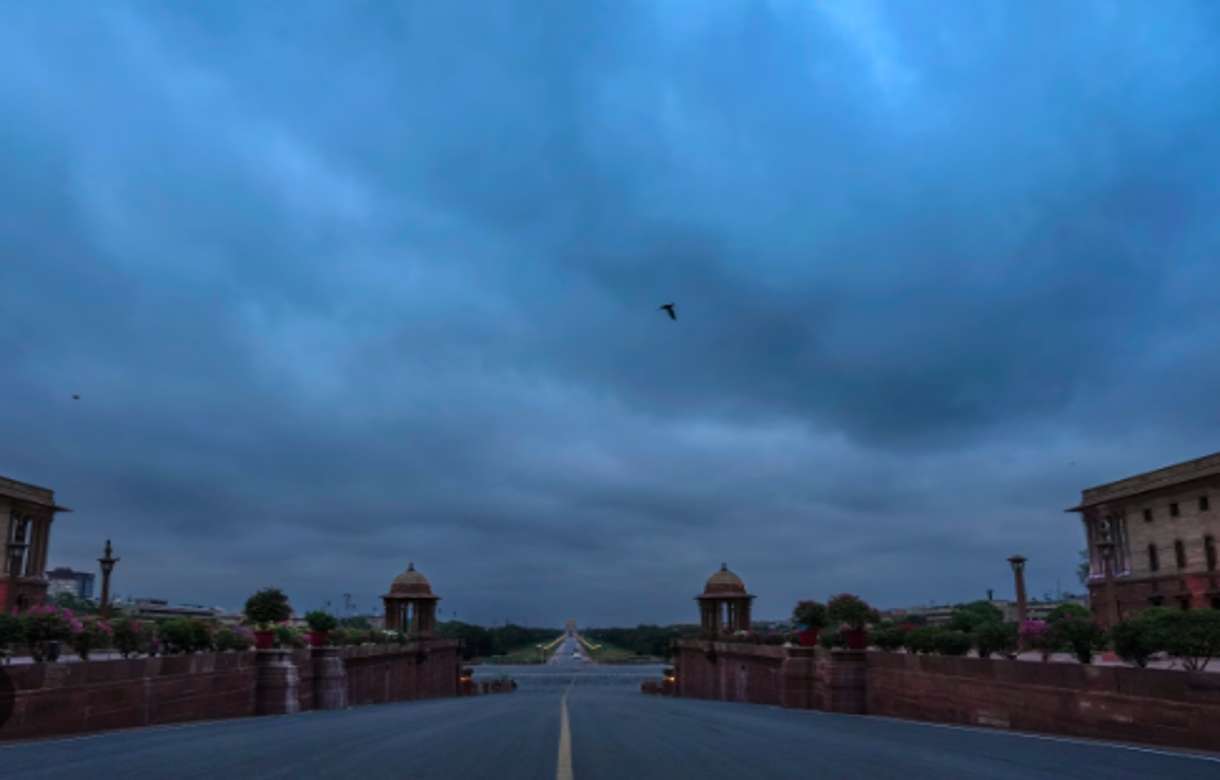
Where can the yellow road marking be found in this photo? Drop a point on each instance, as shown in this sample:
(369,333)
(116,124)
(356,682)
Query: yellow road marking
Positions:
(563,770)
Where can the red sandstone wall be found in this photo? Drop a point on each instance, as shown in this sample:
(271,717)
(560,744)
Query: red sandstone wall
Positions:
(730,671)
(74,698)
(56,699)
(1154,706)
(416,671)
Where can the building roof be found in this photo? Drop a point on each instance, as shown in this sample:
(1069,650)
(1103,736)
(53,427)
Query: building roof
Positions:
(24,491)
(1206,466)
(724,583)
(411,584)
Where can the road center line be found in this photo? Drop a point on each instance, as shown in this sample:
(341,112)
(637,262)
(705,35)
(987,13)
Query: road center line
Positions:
(563,771)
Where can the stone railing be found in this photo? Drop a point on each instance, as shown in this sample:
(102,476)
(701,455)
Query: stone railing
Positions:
(1156,706)
(41,700)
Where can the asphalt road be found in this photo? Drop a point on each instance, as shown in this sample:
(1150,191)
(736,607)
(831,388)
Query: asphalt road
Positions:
(568,652)
(615,732)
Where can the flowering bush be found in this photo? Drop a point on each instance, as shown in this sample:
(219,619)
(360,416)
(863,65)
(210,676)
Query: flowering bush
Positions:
(1036,634)
(268,606)
(43,624)
(89,636)
(131,637)
(991,637)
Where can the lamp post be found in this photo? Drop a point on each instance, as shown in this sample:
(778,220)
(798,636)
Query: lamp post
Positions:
(107,561)
(1106,548)
(16,554)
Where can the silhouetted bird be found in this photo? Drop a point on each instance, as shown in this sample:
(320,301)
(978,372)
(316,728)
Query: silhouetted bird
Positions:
(669,309)
(75,397)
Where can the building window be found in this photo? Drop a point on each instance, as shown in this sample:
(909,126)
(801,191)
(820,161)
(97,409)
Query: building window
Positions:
(1184,602)
(1156,601)
(1173,509)
(1209,550)
(1204,505)
(1179,552)
(1153,563)
(1147,515)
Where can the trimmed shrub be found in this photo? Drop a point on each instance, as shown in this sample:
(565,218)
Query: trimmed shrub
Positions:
(952,642)
(922,639)
(995,637)
(320,621)
(234,638)
(811,614)
(184,635)
(1137,640)
(289,637)
(1191,636)
(12,631)
(831,639)
(268,606)
(851,611)
(889,637)
(1080,635)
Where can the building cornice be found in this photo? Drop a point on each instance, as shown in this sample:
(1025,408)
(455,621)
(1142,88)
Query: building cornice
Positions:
(1158,479)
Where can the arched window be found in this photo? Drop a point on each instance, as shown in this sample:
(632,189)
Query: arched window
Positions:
(1153,563)
(1179,551)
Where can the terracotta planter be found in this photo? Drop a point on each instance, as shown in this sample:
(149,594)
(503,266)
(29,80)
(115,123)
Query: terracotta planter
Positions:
(319,638)
(857,638)
(808,637)
(264,640)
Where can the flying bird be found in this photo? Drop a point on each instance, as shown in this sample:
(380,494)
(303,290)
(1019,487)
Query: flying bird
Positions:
(669,309)
(75,397)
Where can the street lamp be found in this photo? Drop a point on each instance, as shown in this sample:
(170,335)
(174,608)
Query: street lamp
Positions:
(1106,548)
(16,554)
(107,561)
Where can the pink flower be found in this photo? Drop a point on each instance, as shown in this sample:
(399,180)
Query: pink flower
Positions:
(1033,628)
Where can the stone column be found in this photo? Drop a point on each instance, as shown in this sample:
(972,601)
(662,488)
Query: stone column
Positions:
(276,683)
(329,679)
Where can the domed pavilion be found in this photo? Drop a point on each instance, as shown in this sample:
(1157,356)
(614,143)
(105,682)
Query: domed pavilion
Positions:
(724,605)
(410,606)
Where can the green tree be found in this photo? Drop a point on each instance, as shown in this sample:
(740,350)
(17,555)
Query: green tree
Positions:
(952,642)
(1192,636)
(1081,635)
(1137,640)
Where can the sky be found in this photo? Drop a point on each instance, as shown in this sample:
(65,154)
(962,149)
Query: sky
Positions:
(343,286)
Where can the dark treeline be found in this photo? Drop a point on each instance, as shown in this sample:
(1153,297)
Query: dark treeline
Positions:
(642,640)
(480,642)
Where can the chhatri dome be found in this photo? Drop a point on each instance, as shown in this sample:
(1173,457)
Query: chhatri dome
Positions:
(411,582)
(724,605)
(410,606)
(724,581)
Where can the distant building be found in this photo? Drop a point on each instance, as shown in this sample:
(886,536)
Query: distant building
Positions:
(1164,525)
(940,614)
(65,580)
(26,513)
(159,609)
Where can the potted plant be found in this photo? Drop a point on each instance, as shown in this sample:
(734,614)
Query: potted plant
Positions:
(855,613)
(811,615)
(320,626)
(264,609)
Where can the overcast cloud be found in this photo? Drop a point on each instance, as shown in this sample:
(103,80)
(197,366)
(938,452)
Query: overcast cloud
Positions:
(347,285)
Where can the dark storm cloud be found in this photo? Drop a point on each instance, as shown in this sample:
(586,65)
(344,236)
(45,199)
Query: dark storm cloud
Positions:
(370,283)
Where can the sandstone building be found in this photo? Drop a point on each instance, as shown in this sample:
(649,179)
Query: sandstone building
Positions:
(26,512)
(1164,525)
